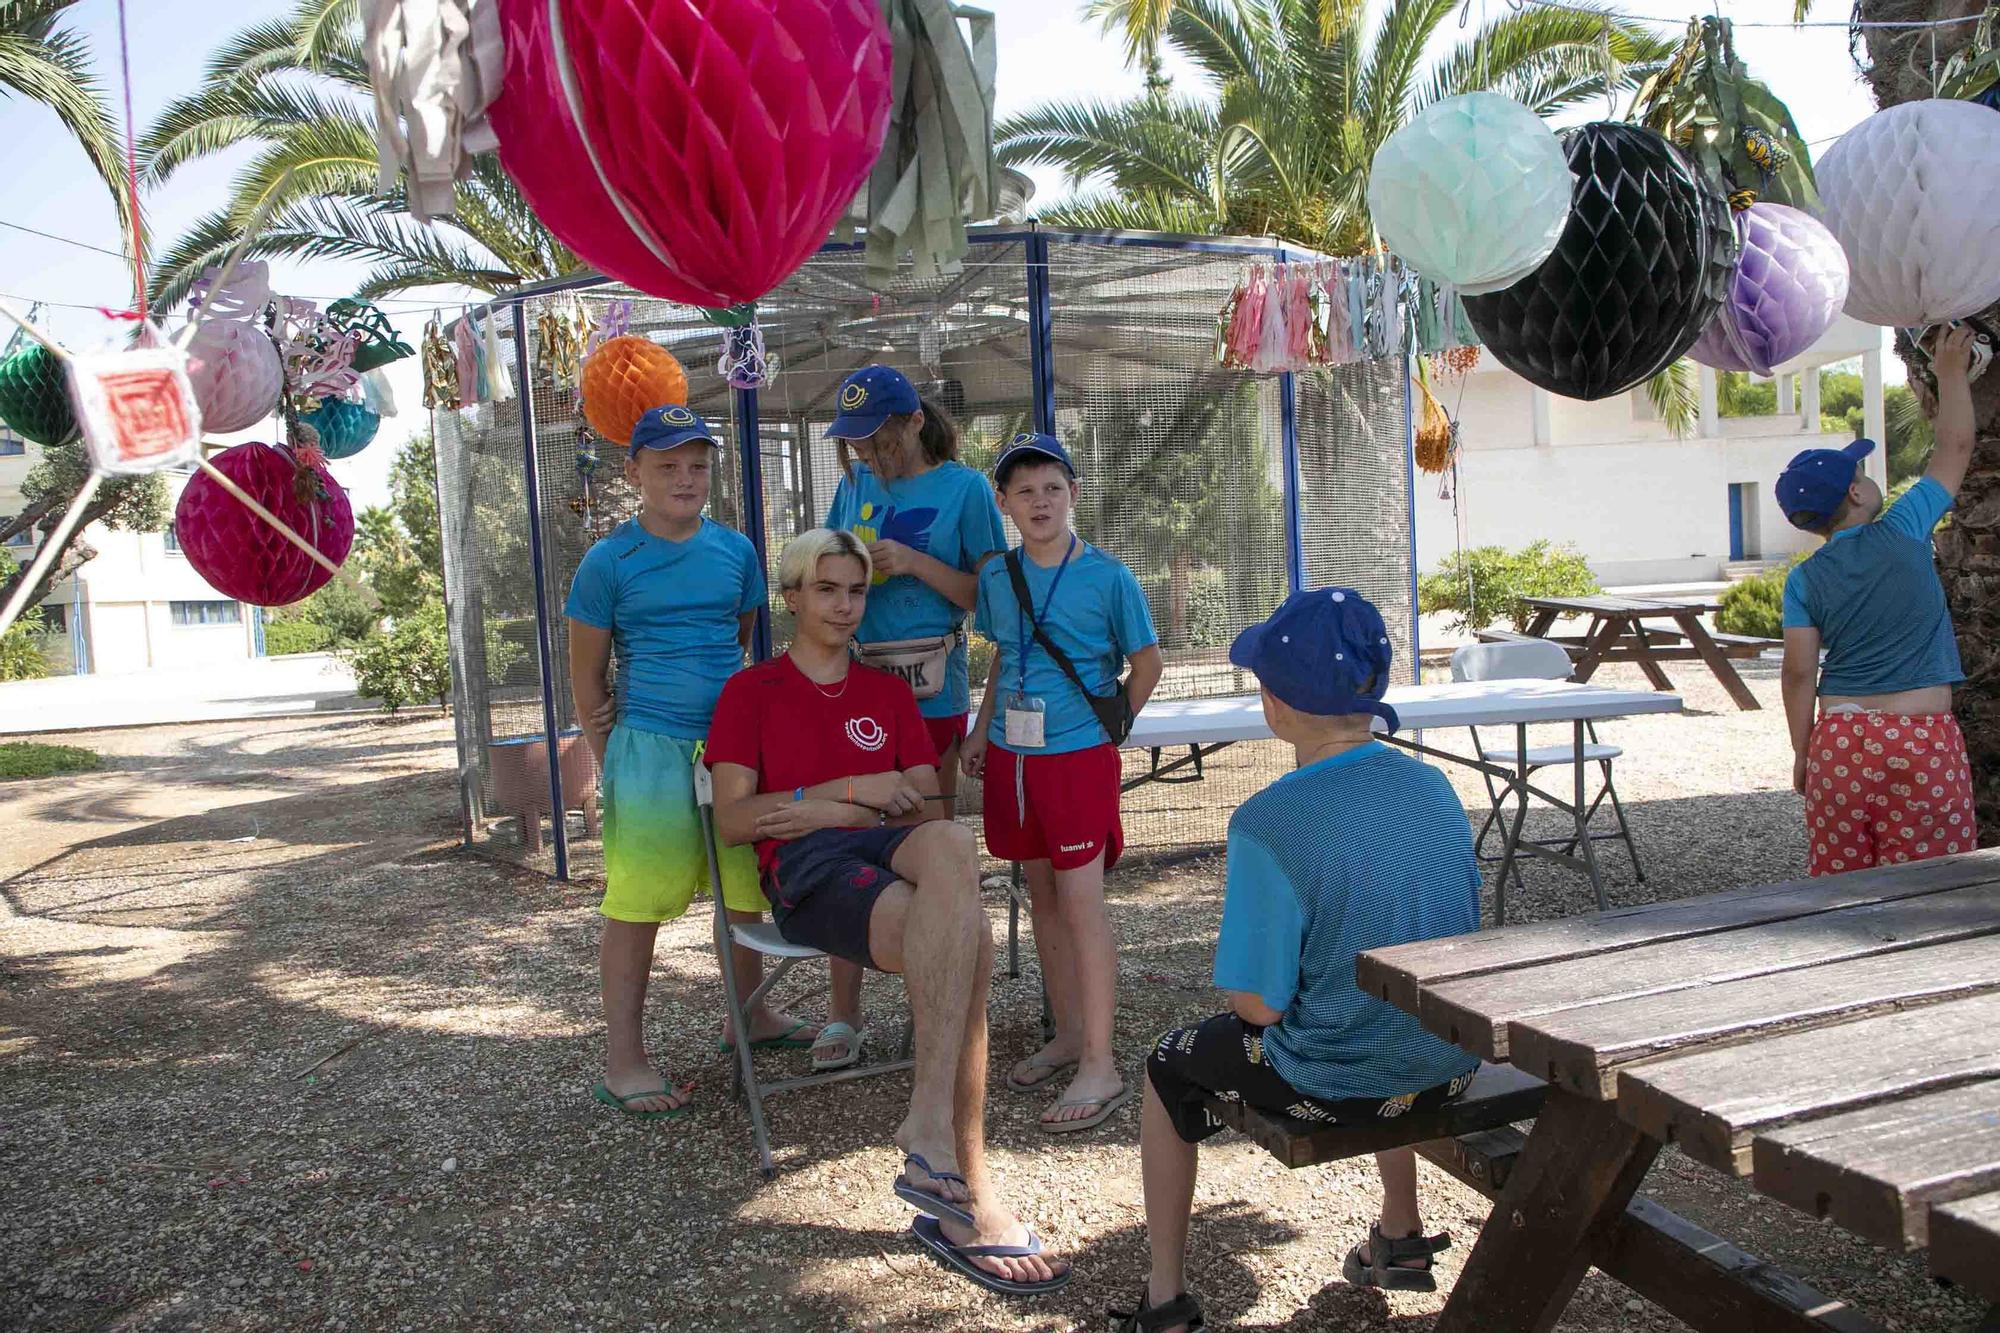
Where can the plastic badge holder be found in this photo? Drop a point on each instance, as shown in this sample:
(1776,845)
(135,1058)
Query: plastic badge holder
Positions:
(136,409)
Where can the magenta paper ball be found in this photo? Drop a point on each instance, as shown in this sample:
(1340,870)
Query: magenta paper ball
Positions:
(240,554)
(732,133)
(1787,290)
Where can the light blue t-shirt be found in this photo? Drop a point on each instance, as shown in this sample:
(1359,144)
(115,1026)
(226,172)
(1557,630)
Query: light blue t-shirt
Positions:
(672,609)
(1098,617)
(1360,851)
(947,513)
(1873,594)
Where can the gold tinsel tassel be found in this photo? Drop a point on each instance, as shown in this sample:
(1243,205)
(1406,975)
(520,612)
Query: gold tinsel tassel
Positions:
(1433,431)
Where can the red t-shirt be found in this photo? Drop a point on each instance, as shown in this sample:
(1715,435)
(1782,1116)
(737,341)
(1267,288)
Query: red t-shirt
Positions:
(795,733)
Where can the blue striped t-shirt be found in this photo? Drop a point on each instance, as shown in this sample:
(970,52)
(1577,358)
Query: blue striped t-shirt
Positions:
(1359,851)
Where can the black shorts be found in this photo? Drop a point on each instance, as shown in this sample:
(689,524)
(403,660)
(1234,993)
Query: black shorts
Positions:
(822,888)
(1223,1057)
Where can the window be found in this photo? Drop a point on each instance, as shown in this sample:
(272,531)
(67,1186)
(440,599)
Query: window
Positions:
(172,539)
(55,618)
(11,445)
(25,537)
(208,613)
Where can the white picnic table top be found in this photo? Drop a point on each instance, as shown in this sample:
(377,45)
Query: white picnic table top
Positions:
(1484,703)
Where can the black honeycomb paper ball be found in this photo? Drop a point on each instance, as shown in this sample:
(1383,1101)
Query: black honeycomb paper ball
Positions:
(1643,264)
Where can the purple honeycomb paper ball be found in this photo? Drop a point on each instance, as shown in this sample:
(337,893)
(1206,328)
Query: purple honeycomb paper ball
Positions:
(1789,286)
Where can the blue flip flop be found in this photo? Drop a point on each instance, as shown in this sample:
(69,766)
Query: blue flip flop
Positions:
(927,1203)
(960,1257)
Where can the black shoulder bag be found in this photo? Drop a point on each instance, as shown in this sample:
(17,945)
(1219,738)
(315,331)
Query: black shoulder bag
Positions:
(1114,710)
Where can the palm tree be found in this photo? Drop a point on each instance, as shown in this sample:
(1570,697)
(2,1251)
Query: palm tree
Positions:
(45,62)
(297,89)
(1305,92)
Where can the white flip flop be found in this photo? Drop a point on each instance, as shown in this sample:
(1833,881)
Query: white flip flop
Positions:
(831,1033)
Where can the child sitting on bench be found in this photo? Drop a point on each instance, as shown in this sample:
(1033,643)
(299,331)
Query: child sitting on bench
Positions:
(1361,848)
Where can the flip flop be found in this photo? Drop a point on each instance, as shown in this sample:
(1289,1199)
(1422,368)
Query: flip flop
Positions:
(831,1033)
(1106,1108)
(927,1203)
(789,1040)
(1052,1071)
(960,1257)
(603,1093)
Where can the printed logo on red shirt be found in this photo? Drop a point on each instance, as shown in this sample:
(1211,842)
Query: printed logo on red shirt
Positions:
(867,733)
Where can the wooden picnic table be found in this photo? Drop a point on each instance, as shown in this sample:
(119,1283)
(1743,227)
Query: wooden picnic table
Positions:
(1835,1041)
(1618,633)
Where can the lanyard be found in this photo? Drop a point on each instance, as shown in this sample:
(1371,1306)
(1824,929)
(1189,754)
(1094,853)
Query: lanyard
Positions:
(1028,616)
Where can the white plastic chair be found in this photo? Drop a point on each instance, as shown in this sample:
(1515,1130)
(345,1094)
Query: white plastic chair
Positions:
(764,939)
(1538,659)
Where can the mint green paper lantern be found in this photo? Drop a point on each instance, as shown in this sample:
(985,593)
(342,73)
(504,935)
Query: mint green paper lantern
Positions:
(1474,192)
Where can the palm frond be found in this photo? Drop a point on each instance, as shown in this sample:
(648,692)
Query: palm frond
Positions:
(1141,22)
(1545,50)
(1134,211)
(1383,97)
(1150,143)
(1227,39)
(1675,394)
(50,64)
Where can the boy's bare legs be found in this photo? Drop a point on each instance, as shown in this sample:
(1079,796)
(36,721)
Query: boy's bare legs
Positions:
(625,963)
(1167,1166)
(748,964)
(1093,951)
(1057,952)
(1400,1217)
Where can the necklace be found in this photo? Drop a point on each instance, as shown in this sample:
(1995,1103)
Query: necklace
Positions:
(824,692)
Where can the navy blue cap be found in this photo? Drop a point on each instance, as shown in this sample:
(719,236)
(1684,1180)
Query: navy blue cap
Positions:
(1324,652)
(869,397)
(669,427)
(1030,445)
(1814,483)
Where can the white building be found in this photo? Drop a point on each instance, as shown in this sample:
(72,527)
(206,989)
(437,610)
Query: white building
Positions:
(139,604)
(1608,478)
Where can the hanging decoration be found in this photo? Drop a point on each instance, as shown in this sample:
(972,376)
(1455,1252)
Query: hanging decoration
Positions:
(34,400)
(465,350)
(434,65)
(1973,71)
(625,379)
(233,364)
(317,354)
(1439,318)
(376,344)
(1641,267)
(563,337)
(499,381)
(1287,317)
(1473,191)
(242,556)
(440,368)
(344,427)
(1435,434)
(1913,194)
(617,319)
(1732,126)
(697,153)
(936,170)
(744,362)
(1787,290)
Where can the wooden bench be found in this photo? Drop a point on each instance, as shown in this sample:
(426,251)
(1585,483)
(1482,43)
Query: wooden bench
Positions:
(1732,645)
(1691,1273)
(1965,1248)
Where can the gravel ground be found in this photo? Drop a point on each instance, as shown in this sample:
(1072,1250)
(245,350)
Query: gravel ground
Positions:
(277,1054)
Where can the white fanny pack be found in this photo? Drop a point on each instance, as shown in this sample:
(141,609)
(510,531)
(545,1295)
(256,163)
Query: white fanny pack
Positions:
(920,662)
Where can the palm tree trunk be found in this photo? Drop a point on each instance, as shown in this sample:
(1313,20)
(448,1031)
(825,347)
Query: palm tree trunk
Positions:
(1969,548)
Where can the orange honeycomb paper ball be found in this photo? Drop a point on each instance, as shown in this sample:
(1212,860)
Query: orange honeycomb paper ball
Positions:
(626,378)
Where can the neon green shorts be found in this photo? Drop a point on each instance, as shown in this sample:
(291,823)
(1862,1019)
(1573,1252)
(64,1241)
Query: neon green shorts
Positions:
(654,859)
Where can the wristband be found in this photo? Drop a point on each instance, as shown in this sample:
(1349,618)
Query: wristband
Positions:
(798,794)
(850,791)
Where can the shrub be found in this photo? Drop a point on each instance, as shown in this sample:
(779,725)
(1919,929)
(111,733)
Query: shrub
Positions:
(1755,605)
(31,759)
(21,656)
(1488,583)
(408,663)
(285,637)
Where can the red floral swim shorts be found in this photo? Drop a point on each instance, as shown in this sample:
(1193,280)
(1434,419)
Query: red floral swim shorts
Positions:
(1883,788)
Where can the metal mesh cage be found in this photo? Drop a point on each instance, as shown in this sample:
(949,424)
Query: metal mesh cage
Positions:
(1107,340)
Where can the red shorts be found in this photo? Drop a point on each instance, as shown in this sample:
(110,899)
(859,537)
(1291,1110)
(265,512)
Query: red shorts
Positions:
(1882,788)
(1072,807)
(945,732)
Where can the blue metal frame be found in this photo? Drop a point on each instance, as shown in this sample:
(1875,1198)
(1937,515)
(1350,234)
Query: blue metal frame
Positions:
(749,445)
(544,643)
(1410,489)
(1041,333)
(1161,240)
(1288,446)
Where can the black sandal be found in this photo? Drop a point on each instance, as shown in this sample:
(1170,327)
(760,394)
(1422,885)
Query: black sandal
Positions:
(1383,1269)
(1182,1309)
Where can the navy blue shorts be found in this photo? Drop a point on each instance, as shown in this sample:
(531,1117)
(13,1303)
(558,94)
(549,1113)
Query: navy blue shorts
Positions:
(823,888)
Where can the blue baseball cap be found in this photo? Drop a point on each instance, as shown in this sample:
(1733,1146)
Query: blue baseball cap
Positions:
(669,427)
(1814,483)
(869,397)
(1031,445)
(1324,652)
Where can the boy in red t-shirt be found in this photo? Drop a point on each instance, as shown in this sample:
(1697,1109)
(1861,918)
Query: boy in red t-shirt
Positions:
(827,766)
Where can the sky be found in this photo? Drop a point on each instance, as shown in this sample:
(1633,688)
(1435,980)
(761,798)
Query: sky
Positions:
(1047,50)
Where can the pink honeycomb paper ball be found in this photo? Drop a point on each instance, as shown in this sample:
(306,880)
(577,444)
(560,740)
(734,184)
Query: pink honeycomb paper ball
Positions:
(240,554)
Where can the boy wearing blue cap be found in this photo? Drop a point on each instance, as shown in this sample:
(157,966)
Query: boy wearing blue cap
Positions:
(676,594)
(1881,761)
(1361,848)
(1065,617)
